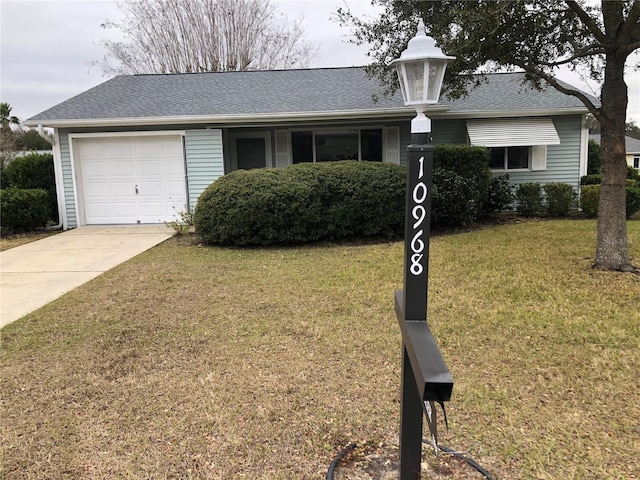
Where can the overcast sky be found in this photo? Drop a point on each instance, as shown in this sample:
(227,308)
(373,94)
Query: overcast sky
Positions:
(47,48)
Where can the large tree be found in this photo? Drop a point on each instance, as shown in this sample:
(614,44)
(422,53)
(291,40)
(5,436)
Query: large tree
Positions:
(538,37)
(185,36)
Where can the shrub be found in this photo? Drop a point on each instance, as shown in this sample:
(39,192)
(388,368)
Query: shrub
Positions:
(529,199)
(633,197)
(35,171)
(633,173)
(303,202)
(593,162)
(23,210)
(500,196)
(560,198)
(455,199)
(590,196)
(593,179)
(469,162)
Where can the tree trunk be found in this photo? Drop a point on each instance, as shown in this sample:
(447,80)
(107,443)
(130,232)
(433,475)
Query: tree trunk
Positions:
(612,252)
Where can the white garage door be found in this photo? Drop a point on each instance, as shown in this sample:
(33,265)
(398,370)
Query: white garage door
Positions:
(131,179)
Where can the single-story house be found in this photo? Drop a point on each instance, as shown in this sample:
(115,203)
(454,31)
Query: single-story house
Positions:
(138,148)
(632,149)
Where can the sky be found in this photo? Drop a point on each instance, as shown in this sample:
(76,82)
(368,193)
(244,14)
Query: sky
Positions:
(47,48)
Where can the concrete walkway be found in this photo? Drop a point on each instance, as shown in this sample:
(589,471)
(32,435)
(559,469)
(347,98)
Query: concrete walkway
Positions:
(37,273)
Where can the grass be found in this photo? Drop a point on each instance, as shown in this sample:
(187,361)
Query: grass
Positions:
(192,362)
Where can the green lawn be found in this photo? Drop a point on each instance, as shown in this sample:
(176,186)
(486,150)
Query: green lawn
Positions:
(195,362)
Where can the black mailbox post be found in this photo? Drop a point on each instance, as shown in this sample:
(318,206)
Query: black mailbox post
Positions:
(425,376)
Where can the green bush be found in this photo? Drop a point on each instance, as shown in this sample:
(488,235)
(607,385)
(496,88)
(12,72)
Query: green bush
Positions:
(500,196)
(529,199)
(593,162)
(35,171)
(560,198)
(590,196)
(304,202)
(633,173)
(592,179)
(455,200)
(469,162)
(633,197)
(23,210)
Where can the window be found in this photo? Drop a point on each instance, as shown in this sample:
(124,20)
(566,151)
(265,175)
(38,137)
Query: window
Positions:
(335,145)
(636,162)
(509,158)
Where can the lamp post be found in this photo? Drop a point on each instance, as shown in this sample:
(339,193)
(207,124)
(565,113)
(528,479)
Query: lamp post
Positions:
(425,376)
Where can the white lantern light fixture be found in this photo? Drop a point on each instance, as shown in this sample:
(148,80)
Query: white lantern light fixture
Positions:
(420,70)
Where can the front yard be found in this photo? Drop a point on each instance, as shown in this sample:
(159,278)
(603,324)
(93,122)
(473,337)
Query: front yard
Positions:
(194,362)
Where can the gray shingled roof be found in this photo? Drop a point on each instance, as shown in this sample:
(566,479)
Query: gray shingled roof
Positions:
(305,91)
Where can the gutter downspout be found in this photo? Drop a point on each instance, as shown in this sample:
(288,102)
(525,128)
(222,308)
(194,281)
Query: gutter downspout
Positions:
(56,154)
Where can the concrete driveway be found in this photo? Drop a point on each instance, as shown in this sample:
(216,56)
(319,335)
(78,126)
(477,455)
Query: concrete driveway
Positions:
(37,273)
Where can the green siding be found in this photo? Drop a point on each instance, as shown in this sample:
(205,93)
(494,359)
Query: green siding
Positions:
(67,175)
(204,160)
(563,160)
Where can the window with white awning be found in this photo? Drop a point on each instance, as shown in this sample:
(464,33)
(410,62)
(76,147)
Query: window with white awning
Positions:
(515,143)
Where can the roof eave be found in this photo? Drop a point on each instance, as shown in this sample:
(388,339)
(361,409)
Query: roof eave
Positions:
(515,113)
(439,111)
(258,118)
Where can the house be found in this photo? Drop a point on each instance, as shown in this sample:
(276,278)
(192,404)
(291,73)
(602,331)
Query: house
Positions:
(138,148)
(632,148)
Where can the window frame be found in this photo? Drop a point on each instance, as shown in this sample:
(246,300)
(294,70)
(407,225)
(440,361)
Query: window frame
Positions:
(505,166)
(339,131)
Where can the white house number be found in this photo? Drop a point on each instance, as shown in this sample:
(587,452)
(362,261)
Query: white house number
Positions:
(418,213)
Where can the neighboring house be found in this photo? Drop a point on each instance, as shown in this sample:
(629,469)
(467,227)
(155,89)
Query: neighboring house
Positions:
(632,149)
(137,148)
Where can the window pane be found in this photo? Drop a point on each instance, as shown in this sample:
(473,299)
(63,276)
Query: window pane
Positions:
(336,146)
(251,153)
(497,158)
(302,147)
(371,145)
(518,158)
(636,162)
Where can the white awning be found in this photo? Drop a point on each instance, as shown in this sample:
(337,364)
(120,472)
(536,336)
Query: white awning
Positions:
(512,132)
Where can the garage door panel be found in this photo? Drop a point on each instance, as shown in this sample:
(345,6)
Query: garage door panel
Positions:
(151,167)
(97,168)
(112,168)
(120,147)
(148,147)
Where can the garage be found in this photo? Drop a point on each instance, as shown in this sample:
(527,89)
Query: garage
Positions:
(130,179)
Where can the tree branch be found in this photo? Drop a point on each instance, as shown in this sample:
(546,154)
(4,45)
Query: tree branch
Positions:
(587,21)
(551,80)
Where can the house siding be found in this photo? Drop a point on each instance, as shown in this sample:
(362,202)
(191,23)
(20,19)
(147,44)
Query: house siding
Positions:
(205,162)
(563,160)
(67,179)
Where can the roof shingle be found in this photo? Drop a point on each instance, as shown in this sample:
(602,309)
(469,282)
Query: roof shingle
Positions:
(301,91)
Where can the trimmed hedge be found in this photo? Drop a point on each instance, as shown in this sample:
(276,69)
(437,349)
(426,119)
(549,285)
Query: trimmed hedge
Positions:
(471,163)
(23,210)
(35,171)
(529,199)
(560,198)
(501,196)
(455,200)
(590,196)
(301,203)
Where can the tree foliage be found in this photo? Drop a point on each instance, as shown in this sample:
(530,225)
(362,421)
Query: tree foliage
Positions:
(538,37)
(185,36)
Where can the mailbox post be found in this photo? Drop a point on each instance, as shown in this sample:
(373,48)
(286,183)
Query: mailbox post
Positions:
(425,377)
